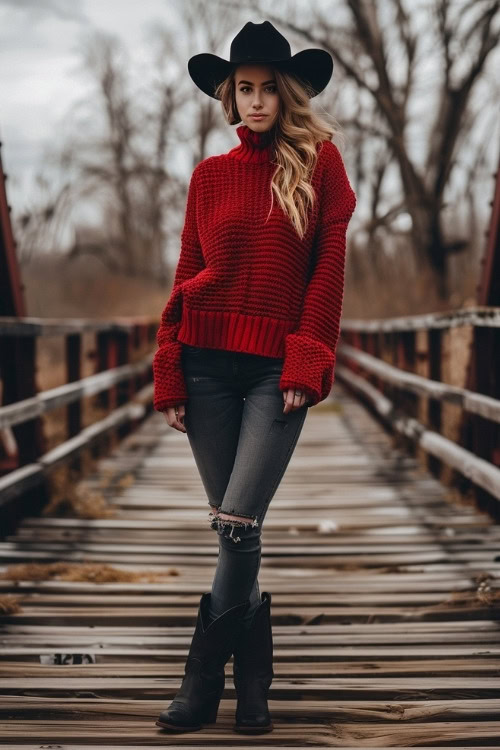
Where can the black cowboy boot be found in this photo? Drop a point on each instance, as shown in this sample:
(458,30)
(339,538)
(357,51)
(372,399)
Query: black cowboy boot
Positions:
(197,700)
(253,671)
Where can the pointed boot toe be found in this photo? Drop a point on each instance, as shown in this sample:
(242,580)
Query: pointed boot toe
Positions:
(197,700)
(178,719)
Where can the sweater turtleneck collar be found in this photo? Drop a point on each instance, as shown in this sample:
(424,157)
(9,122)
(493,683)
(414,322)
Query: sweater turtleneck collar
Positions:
(254,147)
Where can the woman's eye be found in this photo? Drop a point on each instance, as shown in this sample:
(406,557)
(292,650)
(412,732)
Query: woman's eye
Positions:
(272,89)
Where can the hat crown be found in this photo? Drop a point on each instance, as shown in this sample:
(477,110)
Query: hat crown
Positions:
(262,43)
(259,41)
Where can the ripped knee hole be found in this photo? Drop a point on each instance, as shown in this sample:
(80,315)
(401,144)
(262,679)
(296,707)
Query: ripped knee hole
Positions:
(222,524)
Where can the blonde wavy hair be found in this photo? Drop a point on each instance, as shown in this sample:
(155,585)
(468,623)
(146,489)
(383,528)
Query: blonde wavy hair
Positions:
(297,131)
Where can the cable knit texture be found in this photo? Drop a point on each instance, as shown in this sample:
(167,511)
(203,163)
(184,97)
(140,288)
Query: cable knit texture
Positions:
(250,285)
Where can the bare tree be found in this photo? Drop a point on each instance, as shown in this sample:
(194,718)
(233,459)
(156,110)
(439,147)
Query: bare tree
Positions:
(379,49)
(120,170)
(122,163)
(205,27)
(38,226)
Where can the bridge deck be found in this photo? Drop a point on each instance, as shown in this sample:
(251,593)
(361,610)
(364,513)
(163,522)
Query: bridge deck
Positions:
(385,601)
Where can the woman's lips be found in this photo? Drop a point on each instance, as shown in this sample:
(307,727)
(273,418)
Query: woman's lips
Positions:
(258,117)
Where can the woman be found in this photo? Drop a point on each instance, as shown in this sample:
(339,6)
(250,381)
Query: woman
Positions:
(248,338)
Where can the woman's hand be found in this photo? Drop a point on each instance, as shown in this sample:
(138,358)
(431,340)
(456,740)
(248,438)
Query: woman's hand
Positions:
(174,416)
(293,399)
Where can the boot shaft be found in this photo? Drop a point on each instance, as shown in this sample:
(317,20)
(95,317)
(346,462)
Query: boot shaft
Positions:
(253,650)
(213,644)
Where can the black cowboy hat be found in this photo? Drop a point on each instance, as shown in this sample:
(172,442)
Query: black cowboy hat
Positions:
(262,43)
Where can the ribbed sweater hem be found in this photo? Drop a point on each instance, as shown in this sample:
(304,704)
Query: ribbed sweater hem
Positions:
(255,334)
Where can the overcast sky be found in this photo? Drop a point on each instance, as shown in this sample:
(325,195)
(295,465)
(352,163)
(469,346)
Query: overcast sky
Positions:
(40,69)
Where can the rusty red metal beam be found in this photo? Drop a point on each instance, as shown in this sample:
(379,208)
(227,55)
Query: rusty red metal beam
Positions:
(11,287)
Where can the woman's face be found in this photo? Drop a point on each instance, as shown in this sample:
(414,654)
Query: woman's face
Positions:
(256,94)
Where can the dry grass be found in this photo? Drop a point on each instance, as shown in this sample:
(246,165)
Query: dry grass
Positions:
(83,572)
(57,287)
(71,497)
(387,280)
(482,596)
(9,604)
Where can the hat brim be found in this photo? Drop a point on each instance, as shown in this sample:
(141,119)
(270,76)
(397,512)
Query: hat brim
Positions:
(313,66)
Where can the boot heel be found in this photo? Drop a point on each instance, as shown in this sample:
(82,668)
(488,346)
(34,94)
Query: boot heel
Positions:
(210,715)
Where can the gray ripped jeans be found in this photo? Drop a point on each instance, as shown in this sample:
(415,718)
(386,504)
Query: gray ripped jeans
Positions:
(242,443)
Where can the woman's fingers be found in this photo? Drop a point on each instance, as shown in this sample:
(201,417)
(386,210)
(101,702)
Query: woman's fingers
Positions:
(179,418)
(293,400)
(176,420)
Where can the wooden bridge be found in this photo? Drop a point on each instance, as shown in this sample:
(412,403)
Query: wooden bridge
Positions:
(385,580)
(381,547)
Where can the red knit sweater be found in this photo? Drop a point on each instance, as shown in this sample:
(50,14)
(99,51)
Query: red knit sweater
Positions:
(245,285)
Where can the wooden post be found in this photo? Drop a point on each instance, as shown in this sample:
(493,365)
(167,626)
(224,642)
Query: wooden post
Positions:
(370,344)
(125,390)
(18,355)
(434,406)
(73,356)
(407,362)
(107,357)
(484,434)
(73,353)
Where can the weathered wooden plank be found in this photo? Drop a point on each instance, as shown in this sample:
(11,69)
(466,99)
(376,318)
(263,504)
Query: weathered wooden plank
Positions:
(274,520)
(33,326)
(304,653)
(172,599)
(224,744)
(157,580)
(471,667)
(304,615)
(319,687)
(483,640)
(453,629)
(291,734)
(475,316)
(336,549)
(326,534)
(346,710)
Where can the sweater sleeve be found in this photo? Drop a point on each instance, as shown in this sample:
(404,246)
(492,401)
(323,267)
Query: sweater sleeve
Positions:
(310,350)
(168,377)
